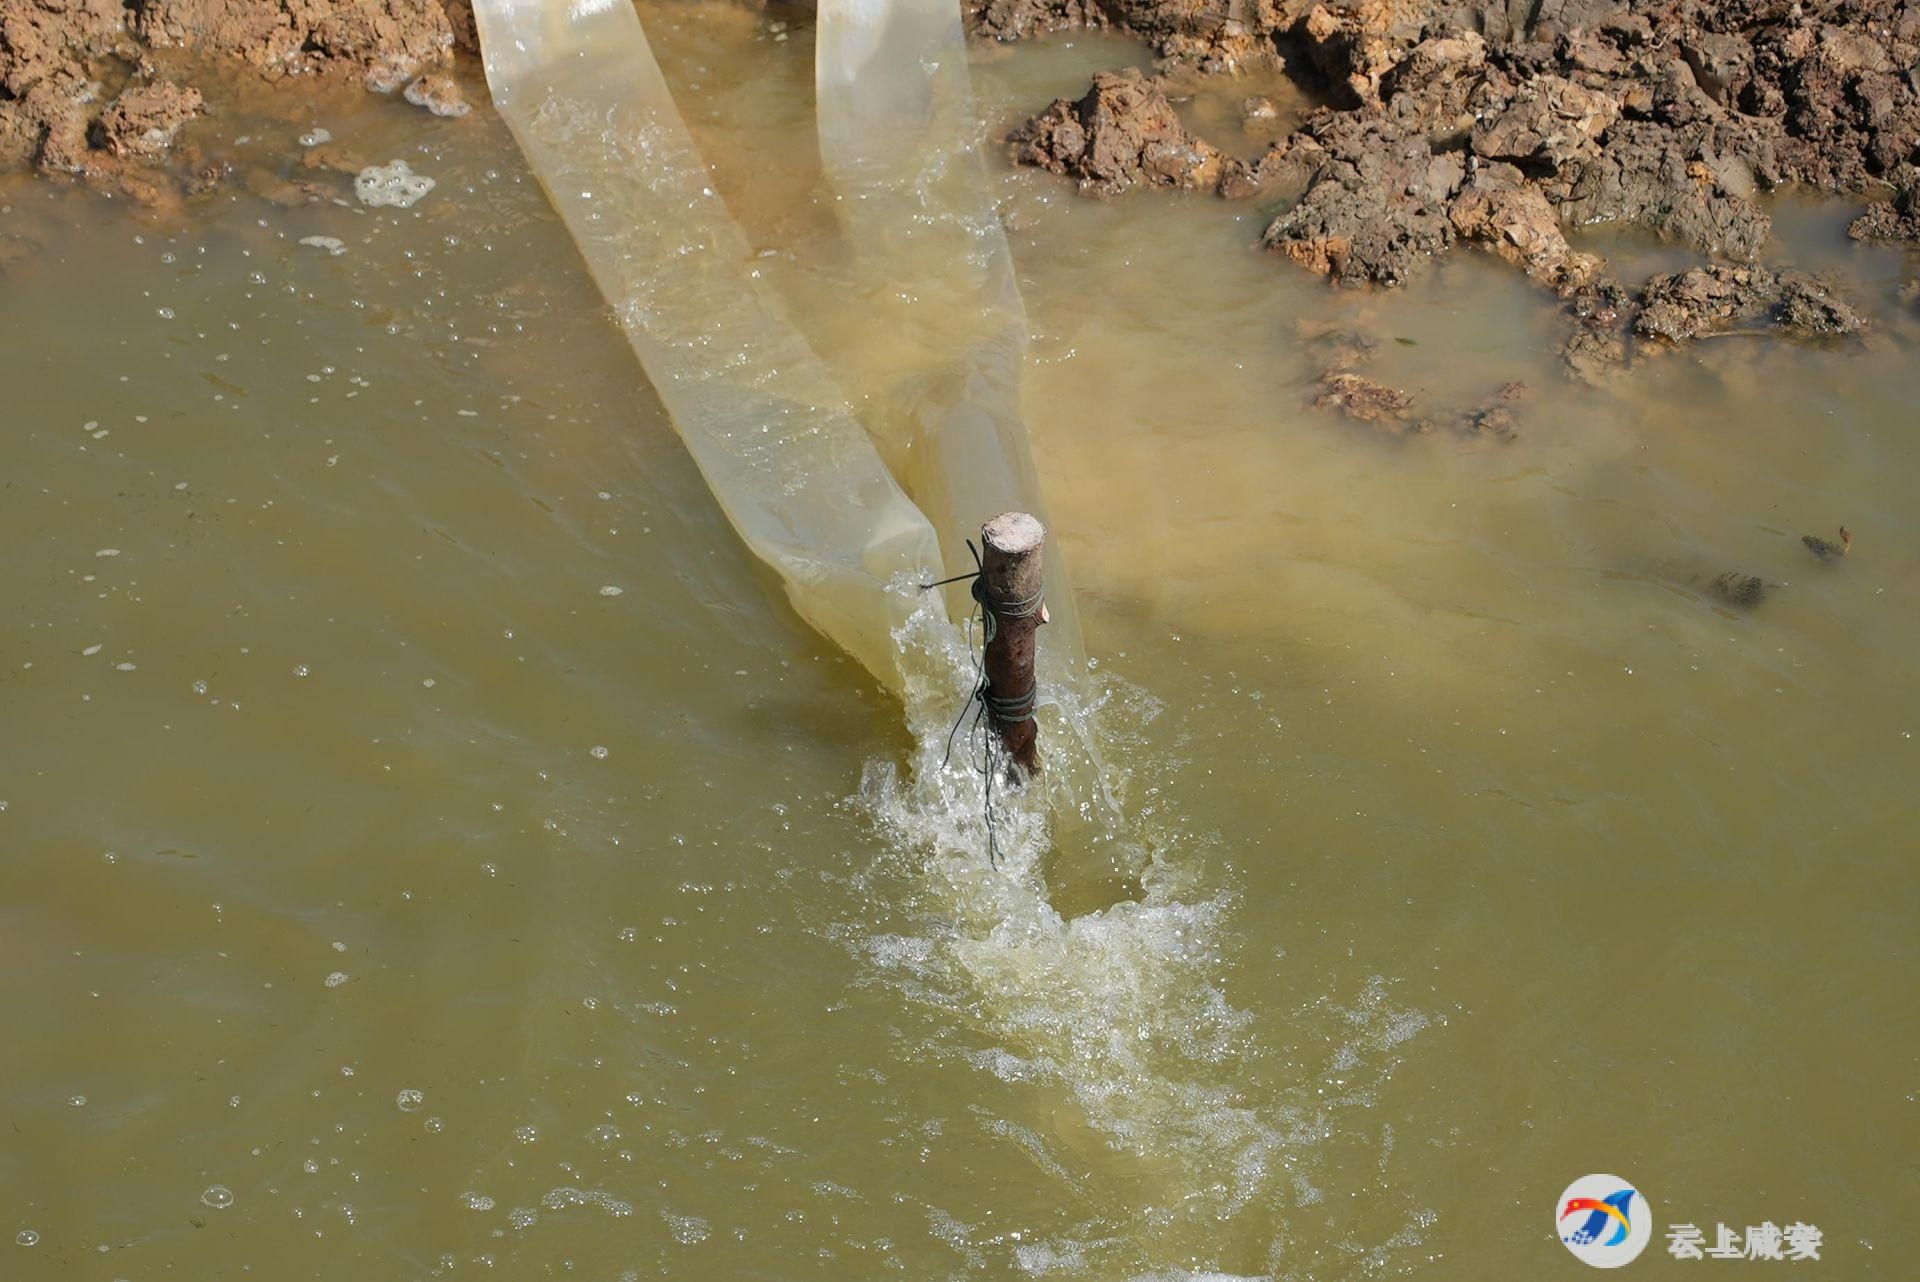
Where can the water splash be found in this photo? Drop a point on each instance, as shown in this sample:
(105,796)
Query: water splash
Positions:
(1146,1078)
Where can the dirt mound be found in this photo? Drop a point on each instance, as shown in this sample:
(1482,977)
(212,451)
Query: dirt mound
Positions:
(388,41)
(1680,307)
(1122,134)
(1896,219)
(1670,115)
(1503,125)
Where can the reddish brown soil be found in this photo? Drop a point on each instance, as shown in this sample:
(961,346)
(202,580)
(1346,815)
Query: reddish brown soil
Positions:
(1504,125)
(83,91)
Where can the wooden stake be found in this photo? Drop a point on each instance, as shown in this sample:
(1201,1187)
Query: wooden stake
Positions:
(1010,594)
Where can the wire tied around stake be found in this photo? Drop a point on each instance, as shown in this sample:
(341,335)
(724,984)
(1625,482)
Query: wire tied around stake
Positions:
(983,701)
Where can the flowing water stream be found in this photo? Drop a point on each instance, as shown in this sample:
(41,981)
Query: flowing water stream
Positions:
(433,847)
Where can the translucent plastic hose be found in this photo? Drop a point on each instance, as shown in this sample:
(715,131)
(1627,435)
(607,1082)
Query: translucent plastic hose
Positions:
(760,413)
(900,140)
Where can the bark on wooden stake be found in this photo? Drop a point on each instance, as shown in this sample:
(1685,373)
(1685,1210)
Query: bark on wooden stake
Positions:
(1010,593)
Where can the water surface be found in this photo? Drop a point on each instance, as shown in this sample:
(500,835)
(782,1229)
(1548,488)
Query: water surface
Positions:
(434,849)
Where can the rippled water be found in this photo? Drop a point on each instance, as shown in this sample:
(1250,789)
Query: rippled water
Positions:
(433,848)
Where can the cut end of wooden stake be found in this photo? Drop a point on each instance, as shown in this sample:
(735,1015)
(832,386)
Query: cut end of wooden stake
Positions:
(1014,533)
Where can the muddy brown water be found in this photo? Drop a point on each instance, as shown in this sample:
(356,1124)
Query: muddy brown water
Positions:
(431,848)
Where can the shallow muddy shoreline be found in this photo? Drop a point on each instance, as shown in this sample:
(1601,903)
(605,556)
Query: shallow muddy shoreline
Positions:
(1373,138)
(435,848)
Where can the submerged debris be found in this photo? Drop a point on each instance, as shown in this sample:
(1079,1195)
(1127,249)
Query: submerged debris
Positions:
(1743,590)
(1361,398)
(1829,551)
(391,184)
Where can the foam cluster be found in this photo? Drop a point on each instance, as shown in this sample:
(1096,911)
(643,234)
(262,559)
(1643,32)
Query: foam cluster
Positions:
(391,184)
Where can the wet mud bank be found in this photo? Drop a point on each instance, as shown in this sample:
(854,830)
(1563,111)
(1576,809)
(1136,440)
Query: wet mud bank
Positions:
(1512,127)
(106,90)
(1407,130)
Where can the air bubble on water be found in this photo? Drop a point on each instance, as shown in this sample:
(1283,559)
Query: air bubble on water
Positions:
(311,1166)
(597,752)
(218,1196)
(90,651)
(301,670)
(76,1101)
(409,1099)
(315,137)
(428,683)
(123,667)
(687,1230)
(26,1237)
(628,934)
(523,1217)
(526,1134)
(435,1125)
(611,590)
(338,946)
(165,313)
(604,1134)
(200,687)
(336,978)
(477,1201)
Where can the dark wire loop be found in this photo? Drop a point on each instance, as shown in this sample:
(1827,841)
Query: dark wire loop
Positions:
(983,702)
(1010,711)
(1016,608)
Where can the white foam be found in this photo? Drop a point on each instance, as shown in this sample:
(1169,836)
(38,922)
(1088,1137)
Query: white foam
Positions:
(391,184)
(1121,1011)
(1118,1007)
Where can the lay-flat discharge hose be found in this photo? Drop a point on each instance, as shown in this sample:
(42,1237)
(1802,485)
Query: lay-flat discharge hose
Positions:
(761,415)
(900,142)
